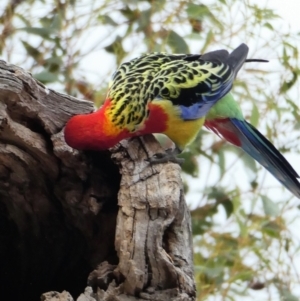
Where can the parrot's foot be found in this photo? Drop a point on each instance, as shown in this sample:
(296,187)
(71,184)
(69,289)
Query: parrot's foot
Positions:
(169,156)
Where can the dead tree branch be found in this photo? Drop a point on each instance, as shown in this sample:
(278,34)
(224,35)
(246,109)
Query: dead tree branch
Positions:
(65,213)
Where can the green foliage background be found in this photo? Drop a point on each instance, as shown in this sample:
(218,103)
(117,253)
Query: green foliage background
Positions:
(245,245)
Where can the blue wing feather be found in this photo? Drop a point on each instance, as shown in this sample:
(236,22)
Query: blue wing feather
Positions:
(204,104)
(195,102)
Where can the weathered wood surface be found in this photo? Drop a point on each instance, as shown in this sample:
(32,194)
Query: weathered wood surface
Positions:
(58,208)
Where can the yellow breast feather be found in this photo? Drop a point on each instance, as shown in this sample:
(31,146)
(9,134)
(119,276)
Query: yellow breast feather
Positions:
(181,132)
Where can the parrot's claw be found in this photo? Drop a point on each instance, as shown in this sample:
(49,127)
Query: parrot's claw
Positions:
(169,156)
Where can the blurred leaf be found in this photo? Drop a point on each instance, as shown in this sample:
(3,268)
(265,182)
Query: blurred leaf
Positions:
(269,26)
(287,244)
(32,51)
(157,6)
(46,77)
(45,22)
(209,274)
(204,211)
(130,14)
(227,240)
(190,164)
(196,11)
(222,198)
(106,19)
(23,19)
(245,275)
(285,57)
(214,272)
(40,31)
(177,43)
(56,22)
(116,48)
(208,40)
(295,109)
(200,226)
(291,47)
(262,14)
(286,295)
(201,218)
(131,1)
(85,89)
(144,19)
(242,227)
(54,63)
(272,229)
(270,207)
(217,193)
(254,115)
(221,157)
(196,25)
(200,11)
(228,206)
(287,85)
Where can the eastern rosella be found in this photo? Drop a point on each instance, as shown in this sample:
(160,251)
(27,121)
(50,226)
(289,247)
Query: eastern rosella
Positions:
(158,93)
(226,119)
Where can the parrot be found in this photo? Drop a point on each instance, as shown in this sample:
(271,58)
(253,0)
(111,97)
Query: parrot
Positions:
(226,119)
(158,93)
(176,94)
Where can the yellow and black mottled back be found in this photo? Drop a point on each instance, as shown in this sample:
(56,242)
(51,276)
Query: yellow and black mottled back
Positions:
(129,88)
(183,79)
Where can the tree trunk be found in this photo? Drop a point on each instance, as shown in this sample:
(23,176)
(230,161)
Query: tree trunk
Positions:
(110,218)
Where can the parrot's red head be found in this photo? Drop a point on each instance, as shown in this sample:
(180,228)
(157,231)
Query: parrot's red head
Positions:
(93,131)
(97,131)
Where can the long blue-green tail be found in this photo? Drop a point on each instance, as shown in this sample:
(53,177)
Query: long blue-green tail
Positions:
(243,134)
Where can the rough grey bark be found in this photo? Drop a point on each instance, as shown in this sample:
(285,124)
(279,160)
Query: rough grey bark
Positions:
(69,217)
